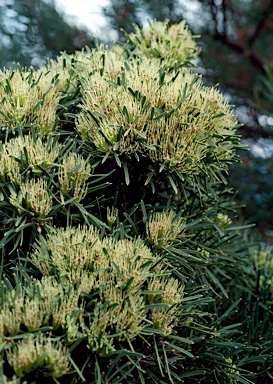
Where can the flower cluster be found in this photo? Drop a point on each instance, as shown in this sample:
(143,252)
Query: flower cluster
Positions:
(33,352)
(36,195)
(172,43)
(164,227)
(29,99)
(264,261)
(223,220)
(72,176)
(117,271)
(22,152)
(172,118)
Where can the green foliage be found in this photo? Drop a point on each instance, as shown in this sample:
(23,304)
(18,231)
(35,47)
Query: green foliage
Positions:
(264,90)
(119,252)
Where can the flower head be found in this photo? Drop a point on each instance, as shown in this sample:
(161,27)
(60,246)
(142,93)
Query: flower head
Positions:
(73,174)
(33,352)
(36,195)
(25,151)
(172,43)
(28,98)
(164,227)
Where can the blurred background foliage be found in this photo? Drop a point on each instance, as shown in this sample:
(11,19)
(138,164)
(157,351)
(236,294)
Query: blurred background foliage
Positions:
(236,40)
(32,30)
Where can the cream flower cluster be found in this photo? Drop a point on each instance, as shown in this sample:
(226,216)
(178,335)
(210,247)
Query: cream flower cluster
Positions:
(29,99)
(33,352)
(26,151)
(172,43)
(118,271)
(172,118)
(163,227)
(76,262)
(73,174)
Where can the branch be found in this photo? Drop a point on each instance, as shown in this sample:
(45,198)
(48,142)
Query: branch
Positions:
(224,9)
(255,132)
(260,26)
(254,59)
(213,10)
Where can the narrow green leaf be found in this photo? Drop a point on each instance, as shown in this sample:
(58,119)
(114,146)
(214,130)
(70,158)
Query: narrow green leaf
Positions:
(98,373)
(227,313)
(159,363)
(131,91)
(101,115)
(172,184)
(126,173)
(179,349)
(77,368)
(117,159)
(132,223)
(161,116)
(128,284)
(182,339)
(157,306)
(149,178)
(159,292)
(167,364)
(217,282)
(94,118)
(193,373)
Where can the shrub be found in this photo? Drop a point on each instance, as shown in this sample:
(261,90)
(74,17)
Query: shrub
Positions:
(119,252)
